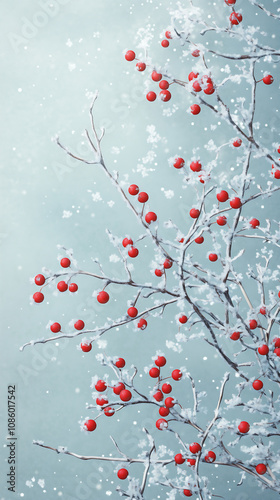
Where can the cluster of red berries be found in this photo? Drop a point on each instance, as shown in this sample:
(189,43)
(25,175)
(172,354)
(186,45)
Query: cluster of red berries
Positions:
(149,217)
(62,286)
(235,18)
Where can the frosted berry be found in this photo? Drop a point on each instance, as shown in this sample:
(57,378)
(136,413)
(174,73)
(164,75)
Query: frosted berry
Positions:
(168,35)
(133,252)
(154,372)
(237,143)
(187,493)
(156,76)
(222,220)
(38,297)
(165,43)
(195,447)
(118,388)
(122,474)
(160,361)
(178,162)
(141,66)
(86,347)
(263,312)
(199,240)
(130,55)
(277,351)
(268,79)
(179,459)
(100,386)
(213,257)
(55,327)
(158,396)
(257,385)
(230,2)
(194,213)
(222,196)
(109,412)
(127,241)
(235,18)
(73,287)
(235,336)
(183,319)
(150,217)
(165,95)
(163,85)
(191,462)
(196,53)
(90,425)
(143,197)
(195,109)
(151,96)
(65,262)
(62,286)
(79,325)
(276,342)
(192,76)
(120,363)
(195,166)
(132,312)
(142,324)
(254,223)
(101,401)
(39,279)
(263,350)
(196,86)
(276,174)
(166,388)
(133,189)
(103,297)
(158,273)
(235,203)
(253,324)
(261,469)
(161,424)
(244,427)
(167,264)
(163,411)
(210,457)
(125,395)
(176,375)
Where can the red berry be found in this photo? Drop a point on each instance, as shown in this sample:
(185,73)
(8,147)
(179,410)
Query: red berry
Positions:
(183,319)
(133,252)
(278,149)
(263,311)
(101,401)
(118,388)
(199,240)
(276,174)
(179,459)
(277,352)
(196,86)
(142,324)
(55,327)
(103,297)
(39,279)
(195,109)
(176,374)
(165,43)
(151,96)
(268,79)
(213,257)
(141,66)
(79,325)
(167,264)
(125,395)
(254,223)
(160,361)
(133,189)
(163,411)
(235,203)
(222,196)
(161,424)
(109,412)
(65,262)
(150,217)
(158,396)
(154,372)
(73,287)
(100,386)
(222,220)
(122,473)
(127,241)
(257,385)
(38,297)
(130,55)
(279,294)
(253,324)
(86,347)
(120,363)
(166,388)
(163,85)
(158,273)
(90,425)
(210,457)
(235,18)
(195,166)
(196,53)
(165,95)
(168,35)
(244,427)
(261,469)
(62,286)
(230,2)
(191,462)
(156,76)
(187,493)
(237,143)
(263,350)
(235,336)
(194,213)
(178,162)
(195,447)
(276,342)
(143,197)
(192,75)
(132,312)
